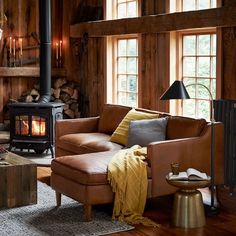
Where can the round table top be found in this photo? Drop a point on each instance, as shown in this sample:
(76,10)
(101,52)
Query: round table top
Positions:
(186,184)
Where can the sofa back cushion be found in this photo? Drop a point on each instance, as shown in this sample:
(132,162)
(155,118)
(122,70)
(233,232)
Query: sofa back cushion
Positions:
(120,135)
(143,132)
(184,127)
(111,117)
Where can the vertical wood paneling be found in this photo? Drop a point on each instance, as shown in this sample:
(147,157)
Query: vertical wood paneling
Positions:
(22,21)
(95,90)
(1,100)
(154,61)
(84,61)
(57,23)
(229,58)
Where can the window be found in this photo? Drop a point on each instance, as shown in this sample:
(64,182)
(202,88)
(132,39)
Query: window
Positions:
(196,63)
(199,66)
(126,8)
(127,71)
(122,59)
(191,5)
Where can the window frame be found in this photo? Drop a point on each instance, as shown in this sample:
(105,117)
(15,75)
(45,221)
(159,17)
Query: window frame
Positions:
(196,1)
(111,53)
(112,11)
(176,106)
(112,73)
(179,61)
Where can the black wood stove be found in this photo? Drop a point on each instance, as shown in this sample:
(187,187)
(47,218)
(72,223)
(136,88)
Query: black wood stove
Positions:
(32,125)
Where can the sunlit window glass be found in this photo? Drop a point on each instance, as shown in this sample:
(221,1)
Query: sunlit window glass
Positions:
(199,66)
(127,72)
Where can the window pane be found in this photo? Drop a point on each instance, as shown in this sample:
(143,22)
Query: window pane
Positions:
(132,83)
(203,4)
(203,67)
(213,3)
(199,67)
(189,68)
(204,44)
(213,88)
(122,47)
(121,98)
(189,107)
(213,67)
(121,10)
(213,44)
(190,87)
(202,91)
(131,12)
(122,83)
(203,108)
(121,65)
(132,66)
(132,99)
(132,47)
(189,5)
(189,45)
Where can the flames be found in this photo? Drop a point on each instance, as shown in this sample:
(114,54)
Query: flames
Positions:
(38,127)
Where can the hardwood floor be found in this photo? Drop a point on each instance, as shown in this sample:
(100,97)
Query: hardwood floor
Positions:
(159,210)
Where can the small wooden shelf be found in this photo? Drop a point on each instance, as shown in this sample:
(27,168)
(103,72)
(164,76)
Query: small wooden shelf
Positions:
(29,72)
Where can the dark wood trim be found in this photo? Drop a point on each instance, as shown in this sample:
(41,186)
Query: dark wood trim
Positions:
(216,17)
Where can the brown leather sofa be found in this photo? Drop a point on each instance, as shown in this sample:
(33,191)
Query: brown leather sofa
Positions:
(83,151)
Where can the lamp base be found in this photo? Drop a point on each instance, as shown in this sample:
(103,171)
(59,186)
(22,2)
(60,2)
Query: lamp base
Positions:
(211,210)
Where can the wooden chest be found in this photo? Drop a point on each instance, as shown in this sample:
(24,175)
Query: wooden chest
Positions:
(18,181)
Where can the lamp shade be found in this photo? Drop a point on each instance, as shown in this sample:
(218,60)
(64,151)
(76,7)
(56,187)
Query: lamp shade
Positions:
(176,91)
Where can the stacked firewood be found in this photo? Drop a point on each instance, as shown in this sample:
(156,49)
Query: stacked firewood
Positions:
(62,91)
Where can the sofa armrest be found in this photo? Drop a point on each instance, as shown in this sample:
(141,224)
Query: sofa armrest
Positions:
(189,152)
(79,125)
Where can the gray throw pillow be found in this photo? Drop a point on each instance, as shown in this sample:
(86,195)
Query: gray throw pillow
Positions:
(143,132)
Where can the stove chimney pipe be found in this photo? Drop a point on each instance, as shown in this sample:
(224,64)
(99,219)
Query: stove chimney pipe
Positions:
(45,50)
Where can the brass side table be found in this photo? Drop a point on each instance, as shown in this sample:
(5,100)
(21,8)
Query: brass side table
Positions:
(188,209)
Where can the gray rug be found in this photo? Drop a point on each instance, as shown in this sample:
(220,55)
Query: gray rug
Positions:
(44,219)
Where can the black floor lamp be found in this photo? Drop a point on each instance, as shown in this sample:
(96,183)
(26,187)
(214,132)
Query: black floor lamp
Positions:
(178,91)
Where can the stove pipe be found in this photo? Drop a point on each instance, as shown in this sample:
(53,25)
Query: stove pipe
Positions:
(45,50)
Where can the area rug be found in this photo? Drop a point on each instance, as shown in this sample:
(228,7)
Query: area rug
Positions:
(44,219)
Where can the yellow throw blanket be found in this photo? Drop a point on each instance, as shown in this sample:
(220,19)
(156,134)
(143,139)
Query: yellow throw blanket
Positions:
(127,174)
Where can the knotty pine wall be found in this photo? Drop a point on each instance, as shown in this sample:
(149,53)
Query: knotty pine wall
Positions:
(84,58)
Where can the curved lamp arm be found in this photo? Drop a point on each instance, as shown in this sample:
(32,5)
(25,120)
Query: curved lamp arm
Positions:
(211,98)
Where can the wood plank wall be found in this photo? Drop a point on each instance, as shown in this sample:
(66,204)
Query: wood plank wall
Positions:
(84,58)
(22,20)
(85,61)
(229,58)
(154,66)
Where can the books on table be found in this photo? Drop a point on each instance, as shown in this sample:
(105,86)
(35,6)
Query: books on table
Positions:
(189,174)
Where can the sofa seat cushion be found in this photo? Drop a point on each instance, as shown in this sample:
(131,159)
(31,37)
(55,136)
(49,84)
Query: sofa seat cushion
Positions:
(87,169)
(87,142)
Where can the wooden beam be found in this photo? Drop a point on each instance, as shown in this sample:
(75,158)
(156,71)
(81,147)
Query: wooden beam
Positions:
(215,17)
(29,72)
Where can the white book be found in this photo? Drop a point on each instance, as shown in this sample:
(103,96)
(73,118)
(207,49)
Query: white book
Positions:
(189,174)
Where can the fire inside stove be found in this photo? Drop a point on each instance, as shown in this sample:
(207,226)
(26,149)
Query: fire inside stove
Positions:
(30,125)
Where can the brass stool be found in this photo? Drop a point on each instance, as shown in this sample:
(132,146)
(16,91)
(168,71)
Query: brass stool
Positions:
(188,210)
